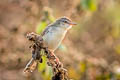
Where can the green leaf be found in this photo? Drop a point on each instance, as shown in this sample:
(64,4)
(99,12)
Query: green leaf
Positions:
(42,66)
(47,69)
(48,72)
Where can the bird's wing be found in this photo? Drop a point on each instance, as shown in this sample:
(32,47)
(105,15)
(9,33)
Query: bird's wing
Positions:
(45,31)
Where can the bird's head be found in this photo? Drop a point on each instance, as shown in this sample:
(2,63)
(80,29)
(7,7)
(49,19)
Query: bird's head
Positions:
(64,22)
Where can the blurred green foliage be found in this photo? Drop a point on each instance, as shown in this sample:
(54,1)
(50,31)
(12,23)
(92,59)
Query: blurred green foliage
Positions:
(117,49)
(47,18)
(89,5)
(113,15)
(41,26)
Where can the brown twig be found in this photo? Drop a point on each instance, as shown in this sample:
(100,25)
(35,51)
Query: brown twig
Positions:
(59,73)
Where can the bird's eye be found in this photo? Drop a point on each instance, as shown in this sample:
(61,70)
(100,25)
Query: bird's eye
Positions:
(65,21)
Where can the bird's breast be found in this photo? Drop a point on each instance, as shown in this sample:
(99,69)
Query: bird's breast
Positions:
(54,38)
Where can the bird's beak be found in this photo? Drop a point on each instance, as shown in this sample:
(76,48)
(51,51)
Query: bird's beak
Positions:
(73,23)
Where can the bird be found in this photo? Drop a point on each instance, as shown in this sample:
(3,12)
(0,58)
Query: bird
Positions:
(54,33)
(52,36)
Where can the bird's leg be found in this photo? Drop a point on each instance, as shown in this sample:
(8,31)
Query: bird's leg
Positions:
(53,55)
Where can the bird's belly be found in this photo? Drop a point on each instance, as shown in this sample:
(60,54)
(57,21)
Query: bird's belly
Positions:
(53,40)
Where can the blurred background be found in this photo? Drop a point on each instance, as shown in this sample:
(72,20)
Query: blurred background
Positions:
(90,51)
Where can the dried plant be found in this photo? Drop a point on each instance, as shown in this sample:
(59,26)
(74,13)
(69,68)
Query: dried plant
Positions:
(59,73)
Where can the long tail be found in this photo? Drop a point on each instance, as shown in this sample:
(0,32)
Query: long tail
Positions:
(31,66)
